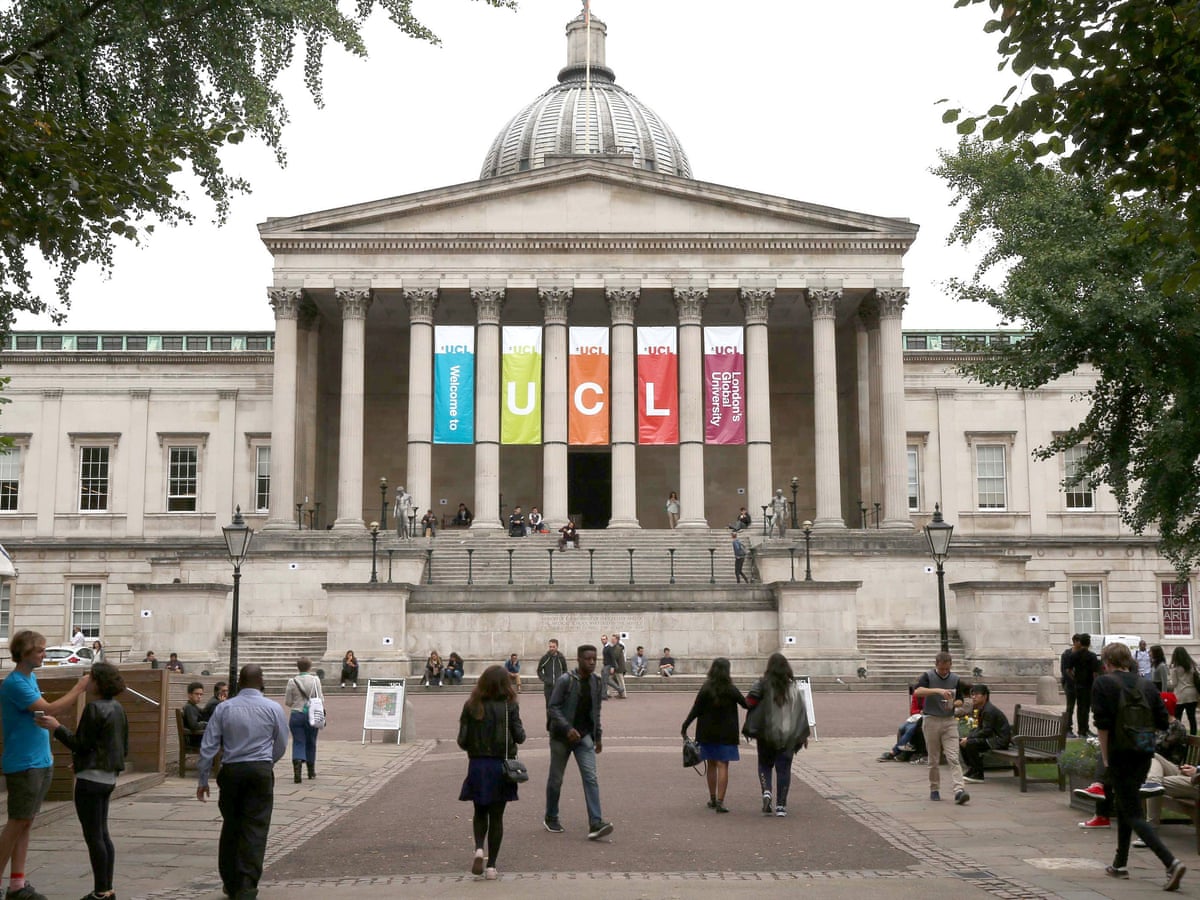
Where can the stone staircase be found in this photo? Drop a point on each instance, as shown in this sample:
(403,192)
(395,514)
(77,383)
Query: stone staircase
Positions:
(893,659)
(277,654)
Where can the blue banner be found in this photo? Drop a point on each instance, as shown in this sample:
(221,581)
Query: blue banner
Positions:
(454,384)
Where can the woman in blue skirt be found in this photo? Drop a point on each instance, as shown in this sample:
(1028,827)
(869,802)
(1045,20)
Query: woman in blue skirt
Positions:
(716,708)
(489,729)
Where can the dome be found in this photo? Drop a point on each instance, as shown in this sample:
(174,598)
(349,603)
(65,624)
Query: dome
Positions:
(586,113)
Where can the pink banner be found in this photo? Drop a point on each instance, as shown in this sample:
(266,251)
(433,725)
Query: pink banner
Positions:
(724,386)
(658,386)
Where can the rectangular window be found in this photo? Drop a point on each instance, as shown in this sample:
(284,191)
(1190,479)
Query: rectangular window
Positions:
(1078,489)
(1176,609)
(990,476)
(172,342)
(136,342)
(93,479)
(111,342)
(914,479)
(182,467)
(1085,607)
(197,342)
(85,609)
(256,343)
(262,479)
(52,342)
(10,479)
(87,342)
(5,604)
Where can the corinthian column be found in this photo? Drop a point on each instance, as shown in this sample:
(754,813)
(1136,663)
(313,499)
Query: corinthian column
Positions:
(555,304)
(622,304)
(757,304)
(354,305)
(689,303)
(891,359)
(823,305)
(419,480)
(488,304)
(286,303)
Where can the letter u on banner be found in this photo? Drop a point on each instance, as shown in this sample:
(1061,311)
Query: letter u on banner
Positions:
(587,369)
(724,386)
(658,385)
(521,384)
(453,384)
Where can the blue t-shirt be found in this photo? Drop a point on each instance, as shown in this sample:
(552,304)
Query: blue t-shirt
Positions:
(26,744)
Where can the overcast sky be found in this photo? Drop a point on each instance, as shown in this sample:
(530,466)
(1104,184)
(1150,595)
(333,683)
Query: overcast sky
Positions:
(825,102)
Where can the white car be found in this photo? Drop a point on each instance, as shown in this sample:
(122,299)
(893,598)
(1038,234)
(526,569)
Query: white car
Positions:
(67,655)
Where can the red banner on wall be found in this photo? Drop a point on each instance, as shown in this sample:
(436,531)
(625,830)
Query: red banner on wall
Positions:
(658,386)
(587,378)
(724,386)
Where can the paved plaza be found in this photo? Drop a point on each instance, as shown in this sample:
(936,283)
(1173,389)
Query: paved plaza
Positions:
(383,820)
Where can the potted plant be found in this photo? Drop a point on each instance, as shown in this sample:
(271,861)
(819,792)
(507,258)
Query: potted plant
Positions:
(1078,763)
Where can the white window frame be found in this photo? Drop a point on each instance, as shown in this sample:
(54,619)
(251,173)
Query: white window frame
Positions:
(13,460)
(183,488)
(169,442)
(255,442)
(1082,589)
(81,590)
(1080,497)
(5,610)
(990,439)
(262,478)
(913,454)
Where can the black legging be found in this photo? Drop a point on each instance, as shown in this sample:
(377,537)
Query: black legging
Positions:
(780,761)
(1190,709)
(489,823)
(91,806)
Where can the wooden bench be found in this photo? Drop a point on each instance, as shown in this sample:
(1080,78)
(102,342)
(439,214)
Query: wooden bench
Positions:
(1184,805)
(186,749)
(1038,737)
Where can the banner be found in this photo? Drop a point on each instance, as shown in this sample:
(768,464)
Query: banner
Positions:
(521,384)
(724,386)
(454,384)
(658,385)
(587,380)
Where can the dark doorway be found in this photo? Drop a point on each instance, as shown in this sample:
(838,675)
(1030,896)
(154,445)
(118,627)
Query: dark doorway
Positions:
(589,495)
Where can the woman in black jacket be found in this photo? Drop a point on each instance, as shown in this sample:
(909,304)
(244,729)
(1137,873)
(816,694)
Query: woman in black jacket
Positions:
(489,730)
(716,708)
(98,749)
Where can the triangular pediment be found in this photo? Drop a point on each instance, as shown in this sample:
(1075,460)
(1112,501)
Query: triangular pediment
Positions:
(590,197)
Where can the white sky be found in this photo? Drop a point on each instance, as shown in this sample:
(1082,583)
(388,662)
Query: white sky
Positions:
(824,102)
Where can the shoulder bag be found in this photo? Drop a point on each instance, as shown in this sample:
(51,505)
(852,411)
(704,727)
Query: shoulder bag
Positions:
(514,769)
(691,754)
(315,706)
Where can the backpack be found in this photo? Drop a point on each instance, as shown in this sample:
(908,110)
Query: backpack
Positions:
(1133,731)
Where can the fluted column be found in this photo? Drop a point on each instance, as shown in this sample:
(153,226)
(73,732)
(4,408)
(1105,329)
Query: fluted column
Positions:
(862,368)
(354,305)
(891,362)
(488,304)
(622,304)
(418,480)
(823,305)
(757,305)
(555,305)
(869,314)
(282,513)
(689,304)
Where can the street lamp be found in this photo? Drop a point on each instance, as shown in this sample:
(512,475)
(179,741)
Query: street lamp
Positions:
(795,487)
(374,550)
(383,503)
(237,542)
(807,558)
(938,533)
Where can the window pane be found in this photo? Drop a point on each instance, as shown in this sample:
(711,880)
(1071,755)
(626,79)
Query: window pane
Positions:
(111,342)
(197,343)
(1085,604)
(256,343)
(989,463)
(87,342)
(5,600)
(93,478)
(10,479)
(1079,495)
(181,479)
(914,483)
(1176,610)
(85,609)
(262,479)
(172,342)
(135,342)
(51,342)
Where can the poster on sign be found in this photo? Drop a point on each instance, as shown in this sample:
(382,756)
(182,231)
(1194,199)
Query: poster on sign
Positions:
(521,384)
(454,384)
(587,376)
(658,385)
(724,386)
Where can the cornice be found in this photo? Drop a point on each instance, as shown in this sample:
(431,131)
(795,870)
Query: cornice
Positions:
(9,358)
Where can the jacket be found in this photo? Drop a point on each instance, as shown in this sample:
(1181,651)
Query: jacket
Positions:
(564,700)
(777,726)
(551,667)
(993,727)
(1183,684)
(718,722)
(619,658)
(486,738)
(102,739)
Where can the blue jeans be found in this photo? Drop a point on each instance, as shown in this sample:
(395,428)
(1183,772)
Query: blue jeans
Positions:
(907,733)
(585,758)
(304,738)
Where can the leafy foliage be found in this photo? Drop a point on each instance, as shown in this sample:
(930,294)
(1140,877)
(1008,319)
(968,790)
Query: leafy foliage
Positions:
(102,102)
(1058,257)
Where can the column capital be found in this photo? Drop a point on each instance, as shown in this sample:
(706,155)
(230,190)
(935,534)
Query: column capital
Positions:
(756,302)
(488,303)
(823,303)
(891,302)
(622,304)
(354,303)
(285,301)
(421,304)
(689,303)
(555,304)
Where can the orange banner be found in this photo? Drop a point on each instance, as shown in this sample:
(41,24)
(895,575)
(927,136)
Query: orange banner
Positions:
(587,370)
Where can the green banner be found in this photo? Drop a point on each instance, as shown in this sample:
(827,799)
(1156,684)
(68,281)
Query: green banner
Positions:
(521,385)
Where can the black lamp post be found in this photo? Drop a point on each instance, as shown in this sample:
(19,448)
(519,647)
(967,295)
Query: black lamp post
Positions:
(374,550)
(237,542)
(383,503)
(938,533)
(795,488)
(807,558)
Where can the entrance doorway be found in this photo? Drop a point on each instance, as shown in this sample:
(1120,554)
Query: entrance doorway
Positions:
(589,492)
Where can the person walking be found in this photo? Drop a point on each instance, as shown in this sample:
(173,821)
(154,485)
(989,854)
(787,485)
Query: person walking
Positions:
(672,509)
(620,666)
(942,693)
(1085,666)
(1067,679)
(575,730)
(302,688)
(715,712)
(739,558)
(551,667)
(98,750)
(778,723)
(252,734)
(1183,684)
(1160,672)
(489,728)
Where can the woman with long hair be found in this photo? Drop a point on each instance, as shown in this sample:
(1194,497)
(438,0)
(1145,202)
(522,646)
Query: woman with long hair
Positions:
(301,688)
(98,750)
(672,509)
(715,712)
(433,670)
(1183,683)
(778,722)
(489,728)
(1159,673)
(349,669)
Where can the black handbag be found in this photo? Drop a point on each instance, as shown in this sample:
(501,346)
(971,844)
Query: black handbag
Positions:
(514,769)
(691,753)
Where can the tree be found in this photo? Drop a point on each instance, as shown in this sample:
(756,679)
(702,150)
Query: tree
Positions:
(1058,258)
(102,102)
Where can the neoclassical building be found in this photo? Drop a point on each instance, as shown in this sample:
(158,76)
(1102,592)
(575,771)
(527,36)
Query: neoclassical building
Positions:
(585,328)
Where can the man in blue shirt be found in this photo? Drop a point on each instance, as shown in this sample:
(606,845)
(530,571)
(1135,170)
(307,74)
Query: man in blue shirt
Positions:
(252,734)
(28,765)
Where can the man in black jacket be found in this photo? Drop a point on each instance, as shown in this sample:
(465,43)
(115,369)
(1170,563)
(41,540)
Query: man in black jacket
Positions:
(1085,666)
(992,733)
(551,667)
(1067,679)
(194,721)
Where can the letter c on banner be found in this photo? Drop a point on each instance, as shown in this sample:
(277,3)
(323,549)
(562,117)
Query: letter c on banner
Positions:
(591,387)
(530,399)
